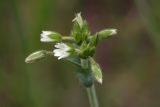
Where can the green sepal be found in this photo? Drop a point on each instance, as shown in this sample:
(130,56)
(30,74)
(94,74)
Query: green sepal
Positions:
(78,19)
(93,40)
(76,32)
(85,30)
(57,37)
(80,29)
(84,50)
(92,51)
(85,76)
(96,70)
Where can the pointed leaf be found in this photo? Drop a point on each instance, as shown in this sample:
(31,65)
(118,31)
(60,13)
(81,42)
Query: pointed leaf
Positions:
(96,70)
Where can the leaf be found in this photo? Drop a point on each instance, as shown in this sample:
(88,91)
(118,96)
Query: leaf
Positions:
(96,70)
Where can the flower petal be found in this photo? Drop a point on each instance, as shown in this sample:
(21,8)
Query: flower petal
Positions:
(61,51)
(44,36)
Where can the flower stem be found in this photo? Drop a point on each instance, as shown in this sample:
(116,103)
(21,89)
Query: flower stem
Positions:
(68,39)
(84,63)
(91,90)
(92,96)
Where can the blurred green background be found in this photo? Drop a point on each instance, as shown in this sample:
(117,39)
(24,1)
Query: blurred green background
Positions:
(130,60)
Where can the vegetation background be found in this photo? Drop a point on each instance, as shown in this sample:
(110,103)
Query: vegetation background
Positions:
(130,60)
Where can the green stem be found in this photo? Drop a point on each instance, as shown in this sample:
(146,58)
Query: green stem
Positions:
(68,39)
(91,90)
(84,63)
(92,96)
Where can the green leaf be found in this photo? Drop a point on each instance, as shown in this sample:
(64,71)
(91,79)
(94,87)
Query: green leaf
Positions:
(96,70)
(106,33)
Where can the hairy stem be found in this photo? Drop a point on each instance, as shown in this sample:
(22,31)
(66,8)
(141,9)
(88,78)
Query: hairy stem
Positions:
(68,39)
(91,90)
(92,96)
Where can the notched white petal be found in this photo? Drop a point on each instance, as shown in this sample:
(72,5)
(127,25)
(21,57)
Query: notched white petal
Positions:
(44,36)
(62,50)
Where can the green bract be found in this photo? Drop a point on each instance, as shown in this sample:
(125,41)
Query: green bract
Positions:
(78,48)
(96,70)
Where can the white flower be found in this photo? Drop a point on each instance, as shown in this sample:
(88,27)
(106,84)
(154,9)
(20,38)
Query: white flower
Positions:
(62,50)
(44,36)
(49,36)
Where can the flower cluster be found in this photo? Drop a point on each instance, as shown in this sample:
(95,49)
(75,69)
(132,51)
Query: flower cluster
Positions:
(79,48)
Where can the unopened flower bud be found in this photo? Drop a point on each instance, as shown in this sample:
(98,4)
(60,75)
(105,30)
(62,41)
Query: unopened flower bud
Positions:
(36,56)
(105,34)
